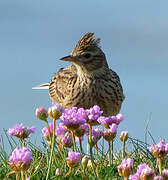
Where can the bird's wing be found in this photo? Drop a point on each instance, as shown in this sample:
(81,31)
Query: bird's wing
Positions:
(42,86)
(114,75)
(62,84)
(117,83)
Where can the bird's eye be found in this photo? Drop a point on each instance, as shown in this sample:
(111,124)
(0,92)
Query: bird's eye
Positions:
(87,55)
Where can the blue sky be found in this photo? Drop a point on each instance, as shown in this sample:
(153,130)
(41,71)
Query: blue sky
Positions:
(34,34)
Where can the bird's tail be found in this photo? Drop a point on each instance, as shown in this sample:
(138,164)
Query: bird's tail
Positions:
(42,86)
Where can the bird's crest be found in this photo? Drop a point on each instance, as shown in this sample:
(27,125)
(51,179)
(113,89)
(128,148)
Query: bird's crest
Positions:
(86,42)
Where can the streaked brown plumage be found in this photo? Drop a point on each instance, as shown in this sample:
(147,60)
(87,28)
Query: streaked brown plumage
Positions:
(87,82)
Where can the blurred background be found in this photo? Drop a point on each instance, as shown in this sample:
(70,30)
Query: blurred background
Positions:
(134,37)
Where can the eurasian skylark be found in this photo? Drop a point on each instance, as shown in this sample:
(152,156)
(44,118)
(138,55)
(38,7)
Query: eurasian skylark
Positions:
(88,81)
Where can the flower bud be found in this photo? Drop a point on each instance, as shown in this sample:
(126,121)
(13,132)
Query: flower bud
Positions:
(96,135)
(124,136)
(41,113)
(48,133)
(66,140)
(85,161)
(165,174)
(54,112)
(89,164)
(58,172)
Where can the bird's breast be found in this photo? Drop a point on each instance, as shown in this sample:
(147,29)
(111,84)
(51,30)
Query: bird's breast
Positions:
(89,91)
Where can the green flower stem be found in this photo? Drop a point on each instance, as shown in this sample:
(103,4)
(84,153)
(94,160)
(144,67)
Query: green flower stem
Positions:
(22,175)
(60,150)
(26,174)
(110,158)
(92,160)
(90,149)
(103,144)
(96,147)
(112,151)
(80,145)
(74,143)
(48,129)
(160,165)
(84,174)
(23,143)
(17,176)
(90,134)
(52,150)
(123,150)
(83,171)
(125,178)
(69,172)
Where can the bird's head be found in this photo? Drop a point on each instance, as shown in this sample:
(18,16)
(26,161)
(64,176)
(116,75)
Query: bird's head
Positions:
(87,55)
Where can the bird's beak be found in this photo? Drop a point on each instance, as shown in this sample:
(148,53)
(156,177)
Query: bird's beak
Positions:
(69,58)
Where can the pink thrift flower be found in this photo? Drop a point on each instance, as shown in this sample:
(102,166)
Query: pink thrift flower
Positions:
(126,167)
(64,136)
(20,159)
(60,130)
(66,140)
(81,130)
(41,113)
(159,150)
(73,118)
(120,118)
(20,131)
(115,119)
(147,173)
(110,134)
(105,121)
(144,172)
(93,114)
(96,135)
(73,159)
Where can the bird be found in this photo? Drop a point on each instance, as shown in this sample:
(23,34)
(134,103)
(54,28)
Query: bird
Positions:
(88,81)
